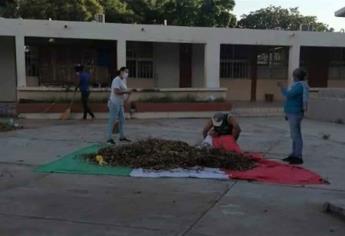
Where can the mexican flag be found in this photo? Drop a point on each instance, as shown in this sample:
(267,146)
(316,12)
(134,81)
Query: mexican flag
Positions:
(265,170)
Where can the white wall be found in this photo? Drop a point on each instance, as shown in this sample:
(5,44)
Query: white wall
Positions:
(336,83)
(140,83)
(167,39)
(198,80)
(166,64)
(268,86)
(167,67)
(238,89)
(7,70)
(327,104)
(267,82)
(138,32)
(160,33)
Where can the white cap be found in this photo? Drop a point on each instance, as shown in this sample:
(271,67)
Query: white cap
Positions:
(218,118)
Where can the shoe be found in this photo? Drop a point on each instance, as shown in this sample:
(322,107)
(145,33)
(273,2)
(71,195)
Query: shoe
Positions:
(296,161)
(125,140)
(111,141)
(288,159)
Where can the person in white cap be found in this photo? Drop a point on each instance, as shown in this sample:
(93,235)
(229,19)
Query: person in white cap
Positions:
(222,124)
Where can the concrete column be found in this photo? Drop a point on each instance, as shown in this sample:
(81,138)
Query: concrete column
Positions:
(212,64)
(294,60)
(20,61)
(121,53)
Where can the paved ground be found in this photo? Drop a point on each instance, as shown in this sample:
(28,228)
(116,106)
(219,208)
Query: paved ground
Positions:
(59,204)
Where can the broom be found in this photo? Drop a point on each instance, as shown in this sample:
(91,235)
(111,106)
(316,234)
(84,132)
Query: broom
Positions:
(67,113)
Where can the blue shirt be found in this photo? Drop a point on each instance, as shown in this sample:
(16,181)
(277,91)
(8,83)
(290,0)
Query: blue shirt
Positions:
(294,98)
(84,80)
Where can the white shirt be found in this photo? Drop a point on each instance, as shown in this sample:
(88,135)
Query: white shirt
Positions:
(118,83)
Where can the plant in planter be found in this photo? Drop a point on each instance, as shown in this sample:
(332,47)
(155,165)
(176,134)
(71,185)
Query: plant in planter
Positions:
(186,99)
(184,104)
(58,105)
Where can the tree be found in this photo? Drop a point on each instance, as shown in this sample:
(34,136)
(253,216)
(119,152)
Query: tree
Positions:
(176,12)
(184,12)
(117,11)
(76,10)
(216,13)
(287,19)
(146,11)
(8,8)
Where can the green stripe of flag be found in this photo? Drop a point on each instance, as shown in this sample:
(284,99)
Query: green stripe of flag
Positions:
(73,163)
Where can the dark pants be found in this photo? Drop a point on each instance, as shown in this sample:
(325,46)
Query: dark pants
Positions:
(85,101)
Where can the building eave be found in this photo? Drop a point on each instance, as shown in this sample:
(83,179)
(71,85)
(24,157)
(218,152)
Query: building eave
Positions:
(340,13)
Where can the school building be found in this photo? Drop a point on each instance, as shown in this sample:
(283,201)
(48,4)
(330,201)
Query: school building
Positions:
(37,58)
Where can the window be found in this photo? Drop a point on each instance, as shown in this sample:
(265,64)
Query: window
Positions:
(337,55)
(273,63)
(273,57)
(336,69)
(233,69)
(234,62)
(140,60)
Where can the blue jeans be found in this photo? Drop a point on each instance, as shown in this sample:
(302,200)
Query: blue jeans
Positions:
(116,112)
(295,120)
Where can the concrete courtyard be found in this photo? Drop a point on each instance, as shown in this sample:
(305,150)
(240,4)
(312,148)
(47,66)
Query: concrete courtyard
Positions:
(61,204)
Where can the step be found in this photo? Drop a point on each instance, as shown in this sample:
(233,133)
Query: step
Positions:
(237,112)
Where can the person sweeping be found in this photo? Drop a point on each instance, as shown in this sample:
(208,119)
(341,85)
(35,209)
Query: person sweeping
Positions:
(83,85)
(118,94)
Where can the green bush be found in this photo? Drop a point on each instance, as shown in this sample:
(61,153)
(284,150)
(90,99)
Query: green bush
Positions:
(169,99)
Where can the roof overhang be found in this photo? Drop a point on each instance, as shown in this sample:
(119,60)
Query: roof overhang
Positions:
(340,13)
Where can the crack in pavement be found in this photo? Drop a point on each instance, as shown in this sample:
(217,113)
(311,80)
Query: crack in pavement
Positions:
(51,139)
(203,214)
(308,187)
(20,183)
(318,188)
(24,183)
(56,219)
(274,144)
(17,164)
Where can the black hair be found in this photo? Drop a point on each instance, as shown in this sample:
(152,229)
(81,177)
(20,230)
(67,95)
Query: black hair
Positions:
(79,68)
(299,74)
(122,69)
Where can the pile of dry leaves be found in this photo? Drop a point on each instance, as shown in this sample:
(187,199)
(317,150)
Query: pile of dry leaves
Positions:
(160,154)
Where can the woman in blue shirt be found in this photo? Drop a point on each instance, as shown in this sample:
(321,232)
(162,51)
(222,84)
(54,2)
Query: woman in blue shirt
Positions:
(296,99)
